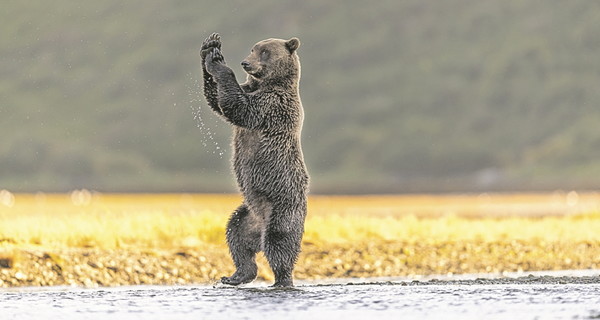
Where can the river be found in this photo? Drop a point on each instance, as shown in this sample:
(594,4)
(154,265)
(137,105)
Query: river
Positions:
(529,297)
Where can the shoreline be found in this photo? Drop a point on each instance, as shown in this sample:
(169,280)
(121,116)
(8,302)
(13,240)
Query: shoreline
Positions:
(560,277)
(205,264)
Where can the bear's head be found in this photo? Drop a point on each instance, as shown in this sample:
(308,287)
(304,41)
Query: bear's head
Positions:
(274,59)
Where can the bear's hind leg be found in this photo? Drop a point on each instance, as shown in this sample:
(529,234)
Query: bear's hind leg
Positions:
(282,243)
(243,238)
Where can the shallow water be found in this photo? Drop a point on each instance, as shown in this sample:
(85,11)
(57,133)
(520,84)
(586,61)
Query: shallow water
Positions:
(407,300)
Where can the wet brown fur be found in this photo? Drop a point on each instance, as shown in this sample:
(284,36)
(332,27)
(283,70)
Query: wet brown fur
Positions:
(266,113)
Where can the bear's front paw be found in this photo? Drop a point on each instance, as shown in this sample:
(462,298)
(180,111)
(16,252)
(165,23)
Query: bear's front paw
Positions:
(214,59)
(213,41)
(216,56)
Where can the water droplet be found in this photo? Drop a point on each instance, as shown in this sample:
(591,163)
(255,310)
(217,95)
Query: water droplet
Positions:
(196,103)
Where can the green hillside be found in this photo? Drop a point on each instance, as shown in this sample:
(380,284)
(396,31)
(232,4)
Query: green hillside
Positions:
(399,96)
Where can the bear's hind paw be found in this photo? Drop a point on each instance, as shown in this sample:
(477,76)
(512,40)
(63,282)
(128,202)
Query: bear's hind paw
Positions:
(283,284)
(236,280)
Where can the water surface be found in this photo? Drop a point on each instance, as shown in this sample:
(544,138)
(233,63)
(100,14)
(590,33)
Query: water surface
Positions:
(524,298)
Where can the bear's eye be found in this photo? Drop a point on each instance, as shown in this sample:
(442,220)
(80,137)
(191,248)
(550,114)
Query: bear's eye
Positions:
(264,54)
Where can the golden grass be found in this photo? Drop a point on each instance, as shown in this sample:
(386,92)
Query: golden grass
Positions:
(114,221)
(82,219)
(345,236)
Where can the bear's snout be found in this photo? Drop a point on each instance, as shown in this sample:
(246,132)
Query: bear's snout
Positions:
(246,65)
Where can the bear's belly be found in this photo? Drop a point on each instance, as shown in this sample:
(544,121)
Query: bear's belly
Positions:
(266,165)
(245,143)
(245,146)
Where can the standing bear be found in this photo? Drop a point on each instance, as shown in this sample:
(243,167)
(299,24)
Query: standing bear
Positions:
(267,115)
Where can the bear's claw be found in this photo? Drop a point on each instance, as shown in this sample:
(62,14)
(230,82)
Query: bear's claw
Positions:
(212,41)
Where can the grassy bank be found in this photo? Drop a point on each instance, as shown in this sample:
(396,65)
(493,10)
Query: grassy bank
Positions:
(95,239)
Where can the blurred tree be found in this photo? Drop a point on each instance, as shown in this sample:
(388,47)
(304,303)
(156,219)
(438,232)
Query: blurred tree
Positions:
(399,95)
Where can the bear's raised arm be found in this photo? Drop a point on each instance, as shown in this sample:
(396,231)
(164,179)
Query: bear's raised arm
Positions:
(210,86)
(231,98)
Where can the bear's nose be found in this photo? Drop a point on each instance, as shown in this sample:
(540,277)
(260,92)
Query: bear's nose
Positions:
(245,64)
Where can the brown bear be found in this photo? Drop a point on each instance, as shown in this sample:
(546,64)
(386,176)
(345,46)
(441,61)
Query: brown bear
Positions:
(267,115)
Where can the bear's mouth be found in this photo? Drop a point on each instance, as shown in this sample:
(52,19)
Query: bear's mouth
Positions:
(254,72)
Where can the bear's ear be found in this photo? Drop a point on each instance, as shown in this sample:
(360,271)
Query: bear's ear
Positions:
(292,44)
